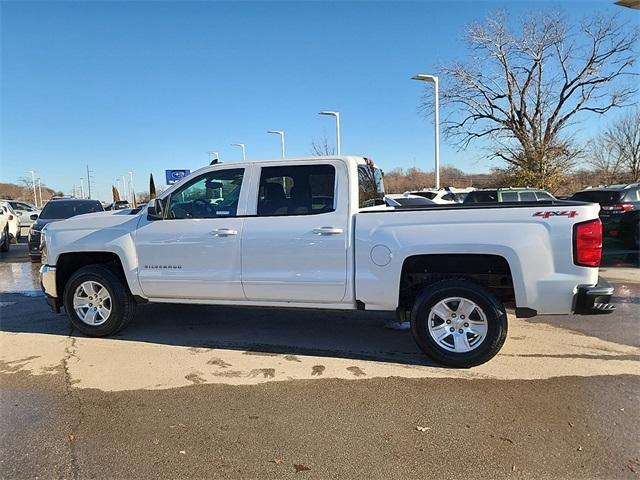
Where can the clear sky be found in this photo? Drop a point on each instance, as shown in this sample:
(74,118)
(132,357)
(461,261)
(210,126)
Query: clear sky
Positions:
(144,86)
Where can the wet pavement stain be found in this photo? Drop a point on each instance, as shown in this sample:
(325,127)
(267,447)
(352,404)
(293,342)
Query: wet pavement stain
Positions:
(356,371)
(195,378)
(265,372)
(218,362)
(317,370)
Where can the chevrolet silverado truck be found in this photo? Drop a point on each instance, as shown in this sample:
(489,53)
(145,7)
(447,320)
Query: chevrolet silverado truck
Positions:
(314,233)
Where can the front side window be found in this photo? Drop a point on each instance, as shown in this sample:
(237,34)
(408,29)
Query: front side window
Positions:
(296,190)
(212,195)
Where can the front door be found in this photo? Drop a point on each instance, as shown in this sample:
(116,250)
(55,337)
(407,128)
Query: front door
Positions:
(295,248)
(194,252)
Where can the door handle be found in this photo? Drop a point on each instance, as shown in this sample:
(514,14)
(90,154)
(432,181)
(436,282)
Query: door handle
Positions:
(223,232)
(327,231)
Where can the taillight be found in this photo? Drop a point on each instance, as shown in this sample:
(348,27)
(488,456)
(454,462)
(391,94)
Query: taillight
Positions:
(619,207)
(587,243)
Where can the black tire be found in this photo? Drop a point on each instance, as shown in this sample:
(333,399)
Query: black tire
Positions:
(123,306)
(35,258)
(5,246)
(493,310)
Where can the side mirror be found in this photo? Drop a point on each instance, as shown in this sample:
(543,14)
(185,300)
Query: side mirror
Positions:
(34,216)
(155,209)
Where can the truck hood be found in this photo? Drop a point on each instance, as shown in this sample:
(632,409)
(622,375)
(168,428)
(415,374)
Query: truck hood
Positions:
(96,221)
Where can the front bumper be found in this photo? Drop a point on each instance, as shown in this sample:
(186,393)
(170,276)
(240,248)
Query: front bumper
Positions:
(49,287)
(592,300)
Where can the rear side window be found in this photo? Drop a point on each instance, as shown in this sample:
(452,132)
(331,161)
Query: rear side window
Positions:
(370,186)
(428,195)
(632,196)
(510,196)
(544,196)
(296,190)
(528,197)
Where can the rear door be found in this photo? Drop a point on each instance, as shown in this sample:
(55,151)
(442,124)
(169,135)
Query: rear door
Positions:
(294,249)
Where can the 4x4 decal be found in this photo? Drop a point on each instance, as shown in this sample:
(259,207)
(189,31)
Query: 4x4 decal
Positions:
(556,213)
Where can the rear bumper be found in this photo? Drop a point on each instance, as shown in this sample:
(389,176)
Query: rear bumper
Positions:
(592,300)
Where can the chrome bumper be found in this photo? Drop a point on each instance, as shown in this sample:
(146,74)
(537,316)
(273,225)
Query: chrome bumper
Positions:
(48,280)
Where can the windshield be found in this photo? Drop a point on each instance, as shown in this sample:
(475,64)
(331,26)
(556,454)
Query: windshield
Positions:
(603,197)
(370,186)
(69,208)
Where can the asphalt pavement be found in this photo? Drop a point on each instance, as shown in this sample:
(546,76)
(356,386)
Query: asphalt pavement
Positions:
(213,392)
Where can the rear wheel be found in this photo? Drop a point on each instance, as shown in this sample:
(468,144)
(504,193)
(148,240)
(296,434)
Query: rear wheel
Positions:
(458,323)
(97,302)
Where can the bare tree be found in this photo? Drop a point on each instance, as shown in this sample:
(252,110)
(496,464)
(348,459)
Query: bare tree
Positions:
(520,91)
(624,139)
(606,163)
(322,147)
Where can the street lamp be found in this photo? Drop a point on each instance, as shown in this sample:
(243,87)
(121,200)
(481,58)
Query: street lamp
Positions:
(213,156)
(118,183)
(133,190)
(281,133)
(81,187)
(33,182)
(337,115)
(433,79)
(244,149)
(40,190)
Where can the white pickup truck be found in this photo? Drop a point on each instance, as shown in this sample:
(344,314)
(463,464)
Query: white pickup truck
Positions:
(314,233)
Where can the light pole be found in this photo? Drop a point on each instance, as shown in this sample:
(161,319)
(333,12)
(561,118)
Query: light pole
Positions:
(213,156)
(124,188)
(337,115)
(40,190)
(81,187)
(433,79)
(33,182)
(133,190)
(281,133)
(244,149)
(118,183)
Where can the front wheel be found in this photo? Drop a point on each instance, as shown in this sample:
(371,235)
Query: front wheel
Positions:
(97,302)
(5,246)
(458,323)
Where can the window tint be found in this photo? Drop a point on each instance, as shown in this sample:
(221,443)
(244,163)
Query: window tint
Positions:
(296,190)
(544,196)
(603,197)
(57,209)
(370,186)
(212,195)
(427,195)
(528,197)
(510,196)
(482,196)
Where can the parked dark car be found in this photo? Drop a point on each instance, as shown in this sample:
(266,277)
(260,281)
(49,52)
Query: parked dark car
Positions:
(615,202)
(55,210)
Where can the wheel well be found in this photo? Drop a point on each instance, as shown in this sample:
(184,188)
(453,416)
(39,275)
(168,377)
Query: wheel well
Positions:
(68,263)
(490,271)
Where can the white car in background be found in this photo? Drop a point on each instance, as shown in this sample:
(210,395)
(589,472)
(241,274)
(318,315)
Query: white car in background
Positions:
(443,196)
(24,210)
(4,230)
(406,200)
(13,221)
